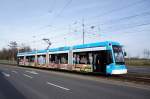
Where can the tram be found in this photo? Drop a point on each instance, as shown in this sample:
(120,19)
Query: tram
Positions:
(101,57)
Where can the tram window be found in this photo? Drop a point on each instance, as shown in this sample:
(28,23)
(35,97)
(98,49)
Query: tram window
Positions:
(42,59)
(104,56)
(82,58)
(94,58)
(59,58)
(109,57)
(90,58)
(56,59)
(30,58)
(64,60)
(20,58)
(52,58)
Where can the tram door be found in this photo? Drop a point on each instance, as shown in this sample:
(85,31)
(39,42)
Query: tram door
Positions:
(100,61)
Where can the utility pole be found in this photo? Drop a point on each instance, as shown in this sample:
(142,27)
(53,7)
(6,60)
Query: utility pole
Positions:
(83,31)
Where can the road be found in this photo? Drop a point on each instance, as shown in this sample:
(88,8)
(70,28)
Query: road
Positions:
(28,83)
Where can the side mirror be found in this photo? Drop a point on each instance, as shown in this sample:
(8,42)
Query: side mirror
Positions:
(125,54)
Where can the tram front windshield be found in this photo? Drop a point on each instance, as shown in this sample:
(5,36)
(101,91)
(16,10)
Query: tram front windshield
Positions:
(118,54)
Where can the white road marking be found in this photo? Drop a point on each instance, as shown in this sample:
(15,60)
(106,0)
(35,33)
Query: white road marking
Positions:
(5,74)
(28,76)
(32,72)
(14,71)
(58,86)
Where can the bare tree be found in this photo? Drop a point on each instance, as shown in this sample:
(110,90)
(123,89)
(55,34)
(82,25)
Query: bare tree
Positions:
(11,53)
(24,48)
(13,45)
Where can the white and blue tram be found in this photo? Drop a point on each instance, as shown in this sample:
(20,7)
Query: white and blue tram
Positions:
(103,57)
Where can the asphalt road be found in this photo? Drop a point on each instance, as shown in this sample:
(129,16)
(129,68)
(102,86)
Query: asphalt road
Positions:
(28,83)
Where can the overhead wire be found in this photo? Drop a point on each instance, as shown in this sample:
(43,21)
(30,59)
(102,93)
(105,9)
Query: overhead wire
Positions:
(139,25)
(69,1)
(125,18)
(119,9)
(60,12)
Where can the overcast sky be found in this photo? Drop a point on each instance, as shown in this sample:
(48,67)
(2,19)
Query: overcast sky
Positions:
(29,21)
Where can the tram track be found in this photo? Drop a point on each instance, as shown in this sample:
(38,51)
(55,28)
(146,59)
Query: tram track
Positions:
(144,79)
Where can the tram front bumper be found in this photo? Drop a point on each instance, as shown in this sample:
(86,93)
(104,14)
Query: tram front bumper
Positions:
(122,71)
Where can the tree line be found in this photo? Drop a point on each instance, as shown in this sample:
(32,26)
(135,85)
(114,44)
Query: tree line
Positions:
(11,52)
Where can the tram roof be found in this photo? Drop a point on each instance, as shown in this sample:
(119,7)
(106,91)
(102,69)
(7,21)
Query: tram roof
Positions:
(90,45)
(97,44)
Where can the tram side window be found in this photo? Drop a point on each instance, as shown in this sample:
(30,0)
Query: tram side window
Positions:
(64,59)
(59,58)
(82,58)
(109,57)
(20,59)
(93,58)
(42,59)
(30,58)
(52,58)
(102,57)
